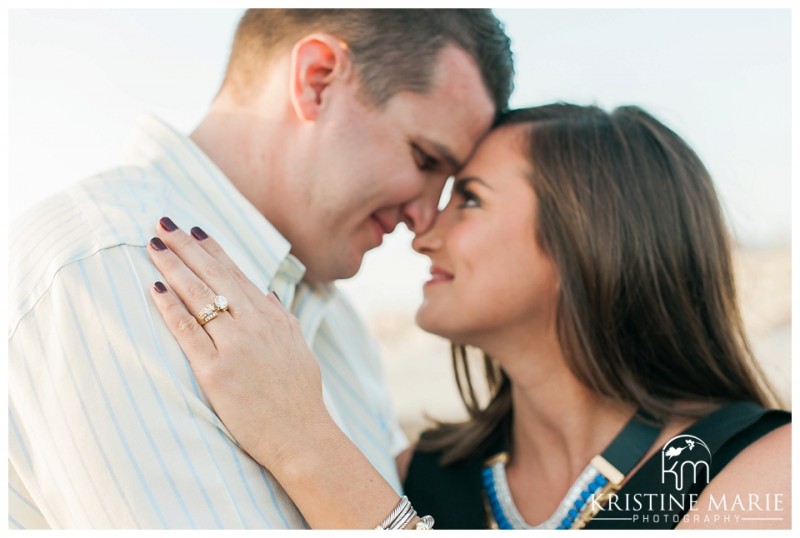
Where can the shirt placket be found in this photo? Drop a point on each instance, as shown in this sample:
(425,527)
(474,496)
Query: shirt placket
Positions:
(286,279)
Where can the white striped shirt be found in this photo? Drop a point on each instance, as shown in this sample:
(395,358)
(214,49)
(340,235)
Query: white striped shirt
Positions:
(107,425)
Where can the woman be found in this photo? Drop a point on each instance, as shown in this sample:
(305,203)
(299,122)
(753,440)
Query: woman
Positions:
(585,254)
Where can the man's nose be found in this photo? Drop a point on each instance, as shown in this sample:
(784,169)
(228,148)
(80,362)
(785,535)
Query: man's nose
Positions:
(432,239)
(419,213)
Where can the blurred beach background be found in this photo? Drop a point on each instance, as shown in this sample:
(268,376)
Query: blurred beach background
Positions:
(720,78)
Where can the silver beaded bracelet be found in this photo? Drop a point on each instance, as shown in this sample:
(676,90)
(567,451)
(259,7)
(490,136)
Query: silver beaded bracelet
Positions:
(402,515)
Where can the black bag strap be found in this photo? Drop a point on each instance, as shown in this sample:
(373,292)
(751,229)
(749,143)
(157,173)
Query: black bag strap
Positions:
(632,443)
(725,432)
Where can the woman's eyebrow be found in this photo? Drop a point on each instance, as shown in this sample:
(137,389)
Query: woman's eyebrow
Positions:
(463,181)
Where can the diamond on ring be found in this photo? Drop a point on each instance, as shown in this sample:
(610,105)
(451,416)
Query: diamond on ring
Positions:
(212,310)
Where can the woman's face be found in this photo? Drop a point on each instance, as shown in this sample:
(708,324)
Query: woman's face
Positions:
(489,277)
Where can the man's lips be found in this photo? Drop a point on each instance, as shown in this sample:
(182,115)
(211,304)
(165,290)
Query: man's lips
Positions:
(386,226)
(381,227)
(378,228)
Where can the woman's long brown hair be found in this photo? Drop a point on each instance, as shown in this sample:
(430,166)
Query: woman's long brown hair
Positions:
(647,311)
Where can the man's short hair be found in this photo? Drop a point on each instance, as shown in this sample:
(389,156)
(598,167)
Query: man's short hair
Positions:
(393,49)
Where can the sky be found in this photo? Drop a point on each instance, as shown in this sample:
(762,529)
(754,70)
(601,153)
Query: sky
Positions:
(77,80)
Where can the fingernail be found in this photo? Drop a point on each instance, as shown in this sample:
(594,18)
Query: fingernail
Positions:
(199,234)
(167,224)
(160,287)
(277,297)
(158,244)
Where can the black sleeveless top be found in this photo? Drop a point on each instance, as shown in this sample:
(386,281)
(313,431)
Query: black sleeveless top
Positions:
(453,494)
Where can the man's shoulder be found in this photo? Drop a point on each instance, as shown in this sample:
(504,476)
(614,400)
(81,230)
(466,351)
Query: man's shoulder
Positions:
(109,210)
(104,209)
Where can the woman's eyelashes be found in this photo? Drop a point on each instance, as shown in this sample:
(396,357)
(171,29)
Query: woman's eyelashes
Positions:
(466,196)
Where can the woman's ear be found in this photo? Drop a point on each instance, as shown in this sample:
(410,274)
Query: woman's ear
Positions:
(317,61)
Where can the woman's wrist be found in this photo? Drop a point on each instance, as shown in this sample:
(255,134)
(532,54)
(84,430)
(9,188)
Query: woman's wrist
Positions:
(282,449)
(330,480)
(302,451)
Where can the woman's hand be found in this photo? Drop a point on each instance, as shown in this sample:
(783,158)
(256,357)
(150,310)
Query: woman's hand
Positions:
(251,360)
(264,382)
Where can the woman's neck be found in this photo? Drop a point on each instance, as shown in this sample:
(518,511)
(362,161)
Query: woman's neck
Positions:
(558,423)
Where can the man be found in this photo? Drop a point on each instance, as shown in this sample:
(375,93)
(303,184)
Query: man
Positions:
(331,127)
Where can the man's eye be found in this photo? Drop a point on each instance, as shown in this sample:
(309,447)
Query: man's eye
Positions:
(424,161)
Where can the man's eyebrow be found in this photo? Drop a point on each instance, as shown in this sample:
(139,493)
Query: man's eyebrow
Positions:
(445,153)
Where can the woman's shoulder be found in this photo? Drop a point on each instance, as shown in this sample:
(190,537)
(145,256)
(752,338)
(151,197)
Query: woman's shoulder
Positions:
(752,491)
(710,467)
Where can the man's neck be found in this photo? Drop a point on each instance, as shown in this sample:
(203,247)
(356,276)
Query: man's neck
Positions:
(232,140)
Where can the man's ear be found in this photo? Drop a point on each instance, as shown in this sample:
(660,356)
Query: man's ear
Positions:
(317,60)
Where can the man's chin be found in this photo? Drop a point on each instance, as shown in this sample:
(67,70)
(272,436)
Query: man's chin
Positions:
(342,270)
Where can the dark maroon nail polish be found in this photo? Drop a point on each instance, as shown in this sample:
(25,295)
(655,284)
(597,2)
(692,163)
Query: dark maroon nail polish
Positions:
(158,244)
(199,234)
(167,224)
(160,287)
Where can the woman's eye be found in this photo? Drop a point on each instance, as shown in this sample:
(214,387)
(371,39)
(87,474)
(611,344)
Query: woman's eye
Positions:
(466,197)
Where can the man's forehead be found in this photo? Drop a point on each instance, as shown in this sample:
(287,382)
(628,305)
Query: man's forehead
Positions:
(453,131)
(453,114)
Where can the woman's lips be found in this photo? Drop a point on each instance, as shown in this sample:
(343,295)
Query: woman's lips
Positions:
(439,275)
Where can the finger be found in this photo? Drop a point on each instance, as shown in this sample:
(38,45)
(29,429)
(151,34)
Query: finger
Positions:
(277,308)
(192,291)
(275,299)
(216,251)
(213,273)
(194,341)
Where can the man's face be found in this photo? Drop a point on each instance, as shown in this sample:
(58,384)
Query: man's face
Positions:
(372,168)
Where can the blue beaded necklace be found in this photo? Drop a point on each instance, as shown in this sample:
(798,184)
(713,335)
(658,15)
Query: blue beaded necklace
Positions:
(604,475)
